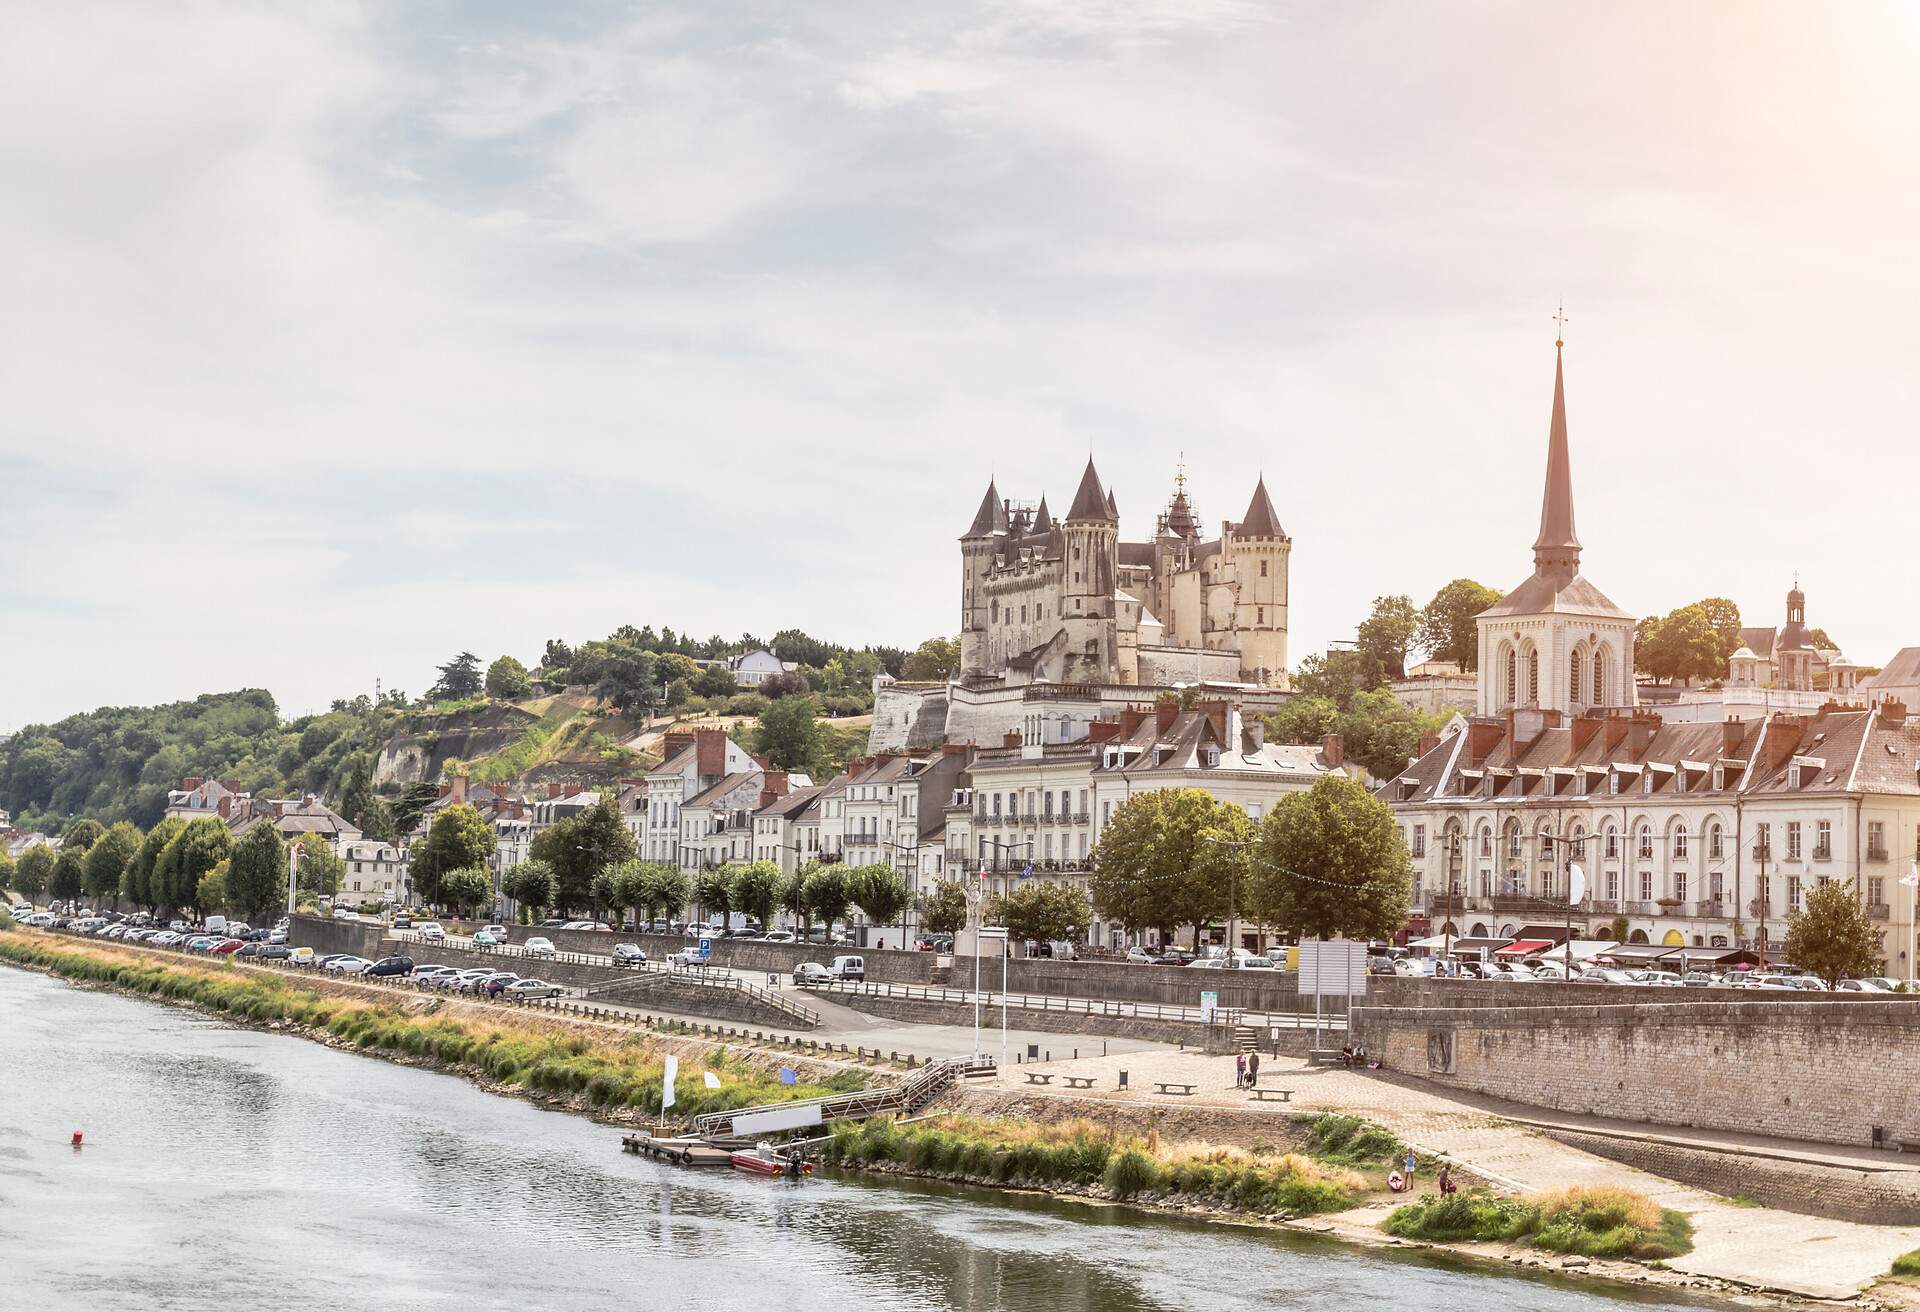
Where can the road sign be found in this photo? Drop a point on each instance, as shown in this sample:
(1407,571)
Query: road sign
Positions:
(1209,1001)
(1336,968)
(706,948)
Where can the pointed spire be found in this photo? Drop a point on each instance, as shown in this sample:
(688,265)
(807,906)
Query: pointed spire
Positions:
(1042,521)
(1091,501)
(1557,548)
(1260,521)
(991,518)
(1113,507)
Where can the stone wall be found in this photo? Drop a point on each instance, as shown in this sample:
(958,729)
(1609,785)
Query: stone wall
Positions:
(1123,981)
(887,966)
(1398,991)
(909,715)
(1827,1071)
(1191,1033)
(325,935)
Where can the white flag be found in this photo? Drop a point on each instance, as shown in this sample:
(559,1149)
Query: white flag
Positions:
(668,1075)
(713,1081)
(1576,885)
(1912,878)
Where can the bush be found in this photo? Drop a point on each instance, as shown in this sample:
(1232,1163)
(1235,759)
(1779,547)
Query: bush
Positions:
(1351,1141)
(1907,1264)
(1593,1222)
(1475,1215)
(1132,1172)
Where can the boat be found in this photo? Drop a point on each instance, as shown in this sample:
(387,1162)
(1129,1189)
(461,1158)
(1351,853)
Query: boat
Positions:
(684,1150)
(761,1159)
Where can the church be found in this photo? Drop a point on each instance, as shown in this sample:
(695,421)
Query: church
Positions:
(1046,600)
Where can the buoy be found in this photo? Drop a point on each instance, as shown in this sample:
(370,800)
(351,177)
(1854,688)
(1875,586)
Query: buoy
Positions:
(77,1137)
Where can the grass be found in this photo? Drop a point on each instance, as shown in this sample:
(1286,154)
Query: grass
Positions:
(545,1056)
(1085,1155)
(1592,1222)
(1350,1141)
(1907,1264)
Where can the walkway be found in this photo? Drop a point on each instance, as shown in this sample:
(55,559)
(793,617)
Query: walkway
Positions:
(1799,1254)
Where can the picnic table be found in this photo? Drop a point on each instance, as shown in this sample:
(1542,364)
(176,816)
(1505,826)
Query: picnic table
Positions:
(1038,1077)
(1174,1088)
(1078,1081)
(1272,1095)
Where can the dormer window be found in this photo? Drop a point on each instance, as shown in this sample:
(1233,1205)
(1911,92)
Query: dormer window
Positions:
(1613,783)
(1793,775)
(1210,758)
(1646,783)
(1719,777)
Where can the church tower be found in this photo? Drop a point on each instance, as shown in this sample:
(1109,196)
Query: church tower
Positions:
(1091,542)
(978,546)
(1555,642)
(1260,549)
(1793,649)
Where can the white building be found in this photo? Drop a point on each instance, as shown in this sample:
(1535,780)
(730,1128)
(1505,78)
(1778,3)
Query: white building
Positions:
(695,760)
(753,668)
(376,872)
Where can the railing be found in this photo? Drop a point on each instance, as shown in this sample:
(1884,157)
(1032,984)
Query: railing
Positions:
(694,975)
(1878,911)
(1876,852)
(910,1095)
(1047,1002)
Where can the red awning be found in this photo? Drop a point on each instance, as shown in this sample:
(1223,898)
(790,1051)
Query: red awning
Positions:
(1523,947)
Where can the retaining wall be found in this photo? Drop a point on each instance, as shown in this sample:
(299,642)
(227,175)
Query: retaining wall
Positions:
(923,1012)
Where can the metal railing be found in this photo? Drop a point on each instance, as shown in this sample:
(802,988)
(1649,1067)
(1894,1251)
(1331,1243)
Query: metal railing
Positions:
(910,1095)
(1031,1002)
(794,1011)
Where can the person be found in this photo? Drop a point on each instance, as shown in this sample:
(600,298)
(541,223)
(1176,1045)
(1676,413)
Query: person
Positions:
(1253,1070)
(1412,1162)
(1346,1054)
(1447,1185)
(1239,1070)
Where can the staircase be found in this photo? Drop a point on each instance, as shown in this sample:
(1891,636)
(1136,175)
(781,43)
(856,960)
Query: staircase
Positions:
(1246,1038)
(904,1098)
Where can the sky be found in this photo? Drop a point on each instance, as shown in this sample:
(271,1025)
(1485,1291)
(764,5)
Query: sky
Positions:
(341,338)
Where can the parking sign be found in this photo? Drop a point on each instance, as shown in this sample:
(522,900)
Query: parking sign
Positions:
(706,947)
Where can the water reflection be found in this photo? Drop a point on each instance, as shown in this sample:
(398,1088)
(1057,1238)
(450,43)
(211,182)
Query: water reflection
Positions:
(316,1177)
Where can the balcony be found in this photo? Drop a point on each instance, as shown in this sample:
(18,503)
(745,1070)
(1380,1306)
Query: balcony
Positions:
(1876,851)
(1823,854)
(1763,852)
(1523,904)
(1878,911)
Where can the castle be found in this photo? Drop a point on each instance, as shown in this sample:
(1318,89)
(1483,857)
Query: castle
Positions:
(1066,601)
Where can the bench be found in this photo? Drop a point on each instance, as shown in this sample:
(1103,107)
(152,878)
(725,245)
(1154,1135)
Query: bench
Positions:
(1078,1081)
(1272,1095)
(1173,1088)
(1326,1057)
(1910,1145)
(1038,1077)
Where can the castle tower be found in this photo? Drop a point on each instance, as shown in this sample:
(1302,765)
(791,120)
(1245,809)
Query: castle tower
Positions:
(1260,549)
(977,548)
(1091,538)
(1793,651)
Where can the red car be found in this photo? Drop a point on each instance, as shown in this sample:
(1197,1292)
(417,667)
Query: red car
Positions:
(227,945)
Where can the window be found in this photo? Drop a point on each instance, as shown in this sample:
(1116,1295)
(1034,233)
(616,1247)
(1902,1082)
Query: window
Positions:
(1766,891)
(1716,847)
(1546,847)
(1719,778)
(1613,885)
(1263,569)
(1645,842)
(1613,845)
(1762,843)
(1260,613)
(1512,682)
(1533,678)
(1419,840)
(1573,679)
(1680,885)
(1877,840)
(1823,841)
(1877,891)
(1486,841)
(1599,683)
(1513,840)
(1680,843)
(1646,885)
(1793,840)
(1793,892)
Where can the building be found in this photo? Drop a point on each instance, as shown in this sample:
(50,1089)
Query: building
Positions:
(294,819)
(197,798)
(752,668)
(1787,659)
(376,872)
(1437,688)
(716,824)
(1899,681)
(564,802)
(876,787)
(1066,601)
(781,833)
(695,760)
(1688,834)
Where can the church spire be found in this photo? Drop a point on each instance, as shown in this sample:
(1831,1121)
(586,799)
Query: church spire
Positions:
(1557,549)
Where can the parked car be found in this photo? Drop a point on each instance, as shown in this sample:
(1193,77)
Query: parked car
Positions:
(850,967)
(811,972)
(264,952)
(779,936)
(538,947)
(494,983)
(301,956)
(391,966)
(403,920)
(431,932)
(348,965)
(686,957)
(486,938)
(225,947)
(522,989)
(276,935)
(465,981)
(628,954)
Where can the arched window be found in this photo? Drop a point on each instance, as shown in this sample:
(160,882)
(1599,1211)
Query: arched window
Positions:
(1600,677)
(1612,841)
(1512,679)
(1573,677)
(1486,841)
(1533,677)
(1716,842)
(1680,843)
(1643,842)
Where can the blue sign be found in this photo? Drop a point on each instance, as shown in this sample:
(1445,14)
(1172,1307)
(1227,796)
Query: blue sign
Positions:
(706,947)
(1027,873)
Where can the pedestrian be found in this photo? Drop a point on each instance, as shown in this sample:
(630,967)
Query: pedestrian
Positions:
(1239,1070)
(1447,1186)
(1253,1069)
(1412,1163)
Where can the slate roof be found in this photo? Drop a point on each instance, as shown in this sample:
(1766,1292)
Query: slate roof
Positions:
(1551,593)
(1260,521)
(1091,501)
(721,789)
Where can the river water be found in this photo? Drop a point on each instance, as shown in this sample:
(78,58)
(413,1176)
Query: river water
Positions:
(225,1166)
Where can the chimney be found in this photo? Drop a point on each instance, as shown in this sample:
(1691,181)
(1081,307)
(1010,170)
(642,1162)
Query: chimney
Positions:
(777,782)
(1334,750)
(760,761)
(1012,738)
(1428,741)
(459,789)
(1131,718)
(1893,711)
(360,821)
(226,808)
(1584,728)
(191,782)
(1615,734)
(1253,734)
(1482,737)
(1216,713)
(231,785)
(556,790)
(954,749)
(1783,739)
(1103,731)
(676,742)
(1733,737)
(1164,714)
(1640,731)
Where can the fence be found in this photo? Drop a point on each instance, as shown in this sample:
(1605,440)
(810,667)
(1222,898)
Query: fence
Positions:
(910,1095)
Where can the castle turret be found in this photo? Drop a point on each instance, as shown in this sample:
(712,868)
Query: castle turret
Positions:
(1259,550)
(1091,538)
(977,547)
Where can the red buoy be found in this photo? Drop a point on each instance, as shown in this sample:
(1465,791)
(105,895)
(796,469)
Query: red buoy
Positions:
(77,1137)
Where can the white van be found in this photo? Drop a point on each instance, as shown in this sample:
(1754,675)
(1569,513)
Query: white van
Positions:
(849,968)
(216,924)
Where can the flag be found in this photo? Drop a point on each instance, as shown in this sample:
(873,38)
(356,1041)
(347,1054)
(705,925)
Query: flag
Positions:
(1576,885)
(1912,878)
(1026,871)
(668,1074)
(789,1076)
(713,1081)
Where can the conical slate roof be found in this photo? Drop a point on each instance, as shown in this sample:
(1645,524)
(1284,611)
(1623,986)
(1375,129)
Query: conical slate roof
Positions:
(1113,507)
(1557,538)
(1090,502)
(990,518)
(1042,521)
(1180,520)
(1260,521)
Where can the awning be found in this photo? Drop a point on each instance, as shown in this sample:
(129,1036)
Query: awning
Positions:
(1478,944)
(1437,941)
(1523,947)
(1640,954)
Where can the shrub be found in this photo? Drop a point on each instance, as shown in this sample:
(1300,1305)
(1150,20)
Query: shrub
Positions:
(1351,1141)
(1132,1172)
(1907,1264)
(1593,1222)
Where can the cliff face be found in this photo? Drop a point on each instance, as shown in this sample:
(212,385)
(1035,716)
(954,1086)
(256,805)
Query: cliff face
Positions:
(432,740)
(570,737)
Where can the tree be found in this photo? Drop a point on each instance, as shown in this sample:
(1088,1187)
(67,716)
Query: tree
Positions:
(466,888)
(360,804)
(460,838)
(1683,645)
(1447,629)
(944,910)
(1817,639)
(933,661)
(69,874)
(199,847)
(606,893)
(459,679)
(531,884)
(1385,635)
(755,890)
(319,868)
(82,834)
(558,655)
(621,673)
(410,805)
(34,871)
(137,880)
(107,859)
(1338,676)
(716,680)
(580,847)
(257,872)
(8,872)
(878,891)
(713,891)
(1043,912)
(787,683)
(507,679)
(210,891)
(789,734)
(829,893)
(1382,733)
(1303,719)
(664,889)
(1164,860)
(674,665)
(793,895)
(1331,863)
(1832,937)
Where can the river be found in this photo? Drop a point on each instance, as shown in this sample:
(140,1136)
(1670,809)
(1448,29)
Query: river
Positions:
(228,1166)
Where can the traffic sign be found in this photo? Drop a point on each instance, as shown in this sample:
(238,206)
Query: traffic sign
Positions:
(706,947)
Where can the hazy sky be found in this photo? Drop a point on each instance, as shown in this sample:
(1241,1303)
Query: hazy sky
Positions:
(340,338)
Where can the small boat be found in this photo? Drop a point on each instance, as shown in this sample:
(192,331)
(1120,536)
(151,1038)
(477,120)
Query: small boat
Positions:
(761,1159)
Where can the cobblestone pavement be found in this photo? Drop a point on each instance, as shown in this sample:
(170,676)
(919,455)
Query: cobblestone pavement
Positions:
(1804,1255)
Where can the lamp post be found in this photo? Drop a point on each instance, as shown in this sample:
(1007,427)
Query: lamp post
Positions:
(1565,845)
